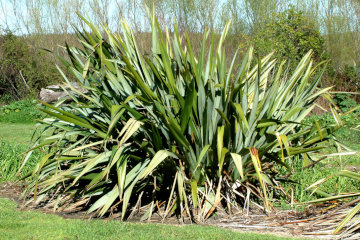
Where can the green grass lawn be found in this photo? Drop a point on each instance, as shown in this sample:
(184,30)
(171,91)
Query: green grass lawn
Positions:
(19,133)
(15,224)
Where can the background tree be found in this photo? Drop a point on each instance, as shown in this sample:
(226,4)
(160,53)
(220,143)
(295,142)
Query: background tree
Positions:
(232,9)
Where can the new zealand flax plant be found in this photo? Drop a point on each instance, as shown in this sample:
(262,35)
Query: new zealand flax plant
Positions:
(170,132)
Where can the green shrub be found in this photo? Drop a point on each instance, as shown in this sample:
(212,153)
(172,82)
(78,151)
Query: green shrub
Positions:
(23,70)
(168,128)
(291,35)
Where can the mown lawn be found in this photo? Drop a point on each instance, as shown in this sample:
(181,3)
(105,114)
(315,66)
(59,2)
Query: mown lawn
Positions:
(15,224)
(16,132)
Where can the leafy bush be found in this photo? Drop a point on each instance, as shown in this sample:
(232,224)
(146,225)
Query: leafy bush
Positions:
(23,70)
(23,111)
(171,131)
(291,35)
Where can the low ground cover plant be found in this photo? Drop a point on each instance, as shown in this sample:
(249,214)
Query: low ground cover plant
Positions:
(23,111)
(176,133)
(335,179)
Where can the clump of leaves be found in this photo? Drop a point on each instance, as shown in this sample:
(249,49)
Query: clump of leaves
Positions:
(177,133)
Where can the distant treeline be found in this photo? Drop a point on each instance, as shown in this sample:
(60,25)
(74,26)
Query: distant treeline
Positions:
(290,27)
